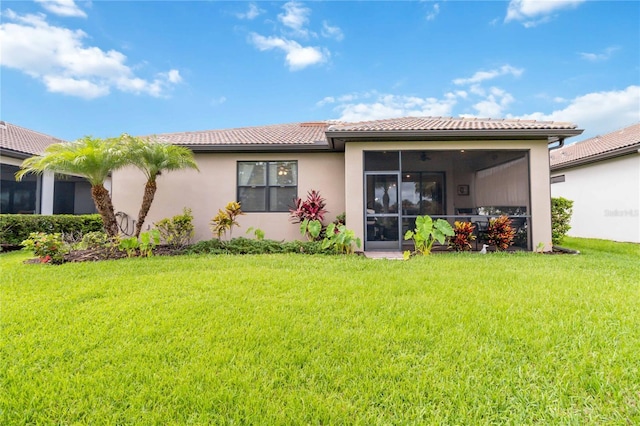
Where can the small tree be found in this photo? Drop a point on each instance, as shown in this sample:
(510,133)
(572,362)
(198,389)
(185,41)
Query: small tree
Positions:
(561,211)
(91,158)
(153,158)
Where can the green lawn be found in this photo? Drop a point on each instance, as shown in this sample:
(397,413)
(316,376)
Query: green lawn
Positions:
(294,339)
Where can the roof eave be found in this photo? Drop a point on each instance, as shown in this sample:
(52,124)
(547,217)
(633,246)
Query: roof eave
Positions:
(15,154)
(205,148)
(337,138)
(631,149)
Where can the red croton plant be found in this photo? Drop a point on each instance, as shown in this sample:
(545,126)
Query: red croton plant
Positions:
(500,233)
(310,209)
(461,241)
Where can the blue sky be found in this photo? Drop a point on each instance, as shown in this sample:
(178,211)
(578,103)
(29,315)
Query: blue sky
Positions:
(102,68)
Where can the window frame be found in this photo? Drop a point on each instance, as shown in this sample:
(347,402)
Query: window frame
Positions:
(267,186)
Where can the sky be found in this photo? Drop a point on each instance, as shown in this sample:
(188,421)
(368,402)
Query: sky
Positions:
(103,68)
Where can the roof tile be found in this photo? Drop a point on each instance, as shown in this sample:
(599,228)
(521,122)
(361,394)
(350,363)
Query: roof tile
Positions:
(629,136)
(449,123)
(19,139)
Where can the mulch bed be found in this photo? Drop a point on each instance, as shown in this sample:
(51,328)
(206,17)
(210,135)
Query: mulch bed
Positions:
(94,255)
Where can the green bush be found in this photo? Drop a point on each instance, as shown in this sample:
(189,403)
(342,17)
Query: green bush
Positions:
(15,228)
(178,231)
(561,211)
(50,248)
(243,245)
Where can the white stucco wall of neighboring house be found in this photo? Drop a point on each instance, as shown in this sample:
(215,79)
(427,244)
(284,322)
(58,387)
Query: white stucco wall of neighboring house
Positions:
(606,197)
(215,185)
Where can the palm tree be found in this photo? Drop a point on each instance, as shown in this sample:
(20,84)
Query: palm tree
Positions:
(153,158)
(91,158)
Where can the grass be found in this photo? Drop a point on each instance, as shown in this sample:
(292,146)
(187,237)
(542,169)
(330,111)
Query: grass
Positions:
(289,339)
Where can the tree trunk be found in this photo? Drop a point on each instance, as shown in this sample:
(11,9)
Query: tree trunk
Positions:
(102,200)
(149,194)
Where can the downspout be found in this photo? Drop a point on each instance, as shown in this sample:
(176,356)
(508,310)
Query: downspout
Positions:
(560,144)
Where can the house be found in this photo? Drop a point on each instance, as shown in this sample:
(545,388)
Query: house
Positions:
(46,194)
(382,174)
(601,175)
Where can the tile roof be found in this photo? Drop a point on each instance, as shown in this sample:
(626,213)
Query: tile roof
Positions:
(279,134)
(316,133)
(25,141)
(450,123)
(596,147)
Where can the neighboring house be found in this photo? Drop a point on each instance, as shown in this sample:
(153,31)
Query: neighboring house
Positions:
(46,194)
(602,177)
(382,174)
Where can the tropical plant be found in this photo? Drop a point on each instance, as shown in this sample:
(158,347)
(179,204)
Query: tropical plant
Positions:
(144,244)
(500,233)
(561,211)
(91,158)
(341,239)
(49,248)
(426,233)
(225,220)
(311,209)
(257,232)
(311,228)
(153,158)
(129,245)
(463,235)
(149,241)
(178,231)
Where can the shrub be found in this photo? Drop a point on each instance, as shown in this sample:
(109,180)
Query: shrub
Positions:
(251,246)
(178,231)
(225,220)
(561,211)
(463,235)
(94,240)
(500,232)
(15,228)
(49,248)
(310,209)
(340,239)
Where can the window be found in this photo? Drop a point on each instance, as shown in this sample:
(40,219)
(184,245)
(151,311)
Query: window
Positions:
(267,186)
(557,179)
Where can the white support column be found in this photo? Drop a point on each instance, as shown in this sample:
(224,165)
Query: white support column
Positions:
(46,197)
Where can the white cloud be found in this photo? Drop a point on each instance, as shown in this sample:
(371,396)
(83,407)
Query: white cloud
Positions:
(326,100)
(58,57)
(252,13)
(534,12)
(374,105)
(480,76)
(63,8)
(494,104)
(296,16)
(297,56)
(598,57)
(218,101)
(173,76)
(331,32)
(75,87)
(435,10)
(598,112)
